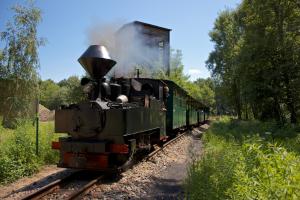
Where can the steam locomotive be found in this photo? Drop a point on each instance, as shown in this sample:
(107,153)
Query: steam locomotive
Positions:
(121,116)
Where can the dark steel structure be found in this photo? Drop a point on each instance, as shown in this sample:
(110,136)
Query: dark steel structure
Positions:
(155,37)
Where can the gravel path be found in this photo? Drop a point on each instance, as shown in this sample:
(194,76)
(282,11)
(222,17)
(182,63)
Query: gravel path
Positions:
(168,183)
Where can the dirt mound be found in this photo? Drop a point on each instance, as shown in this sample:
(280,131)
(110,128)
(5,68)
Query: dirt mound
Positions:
(45,114)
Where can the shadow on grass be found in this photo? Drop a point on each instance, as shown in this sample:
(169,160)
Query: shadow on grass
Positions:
(286,135)
(238,129)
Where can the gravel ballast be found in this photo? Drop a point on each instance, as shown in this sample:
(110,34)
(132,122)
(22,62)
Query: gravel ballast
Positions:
(161,177)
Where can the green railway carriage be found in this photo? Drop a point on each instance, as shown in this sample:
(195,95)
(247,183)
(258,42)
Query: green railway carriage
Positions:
(179,109)
(201,116)
(182,110)
(193,112)
(196,112)
(176,107)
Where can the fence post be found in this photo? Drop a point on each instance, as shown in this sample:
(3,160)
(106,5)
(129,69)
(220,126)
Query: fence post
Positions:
(37,127)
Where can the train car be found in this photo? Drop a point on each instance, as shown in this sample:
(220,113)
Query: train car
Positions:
(182,110)
(176,107)
(196,112)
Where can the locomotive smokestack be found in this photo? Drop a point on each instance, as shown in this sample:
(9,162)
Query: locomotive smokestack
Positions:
(96,61)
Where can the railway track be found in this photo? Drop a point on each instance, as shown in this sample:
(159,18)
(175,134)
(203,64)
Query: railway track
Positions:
(65,188)
(164,146)
(70,187)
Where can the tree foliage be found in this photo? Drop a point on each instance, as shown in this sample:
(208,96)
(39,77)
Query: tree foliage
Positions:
(74,90)
(50,94)
(65,92)
(206,92)
(19,62)
(255,62)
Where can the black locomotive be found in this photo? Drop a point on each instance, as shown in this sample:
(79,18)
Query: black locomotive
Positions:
(121,116)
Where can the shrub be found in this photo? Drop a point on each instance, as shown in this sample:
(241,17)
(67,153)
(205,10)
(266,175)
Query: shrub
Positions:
(209,177)
(266,171)
(17,151)
(240,161)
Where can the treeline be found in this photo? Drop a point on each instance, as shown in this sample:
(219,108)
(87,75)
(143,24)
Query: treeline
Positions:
(255,62)
(65,92)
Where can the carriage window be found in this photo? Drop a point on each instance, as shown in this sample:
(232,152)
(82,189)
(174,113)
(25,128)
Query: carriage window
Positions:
(161,44)
(161,93)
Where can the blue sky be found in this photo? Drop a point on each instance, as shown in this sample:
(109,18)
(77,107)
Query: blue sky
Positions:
(65,24)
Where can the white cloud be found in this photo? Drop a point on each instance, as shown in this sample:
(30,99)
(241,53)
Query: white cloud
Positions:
(194,71)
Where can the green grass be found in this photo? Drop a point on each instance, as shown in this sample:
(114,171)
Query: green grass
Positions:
(17,150)
(247,160)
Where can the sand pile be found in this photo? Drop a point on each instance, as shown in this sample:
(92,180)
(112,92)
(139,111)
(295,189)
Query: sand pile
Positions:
(45,114)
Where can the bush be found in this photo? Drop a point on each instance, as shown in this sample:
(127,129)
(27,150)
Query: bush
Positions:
(240,161)
(17,151)
(209,177)
(266,172)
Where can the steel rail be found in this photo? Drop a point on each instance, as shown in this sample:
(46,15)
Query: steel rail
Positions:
(50,187)
(56,185)
(163,147)
(84,189)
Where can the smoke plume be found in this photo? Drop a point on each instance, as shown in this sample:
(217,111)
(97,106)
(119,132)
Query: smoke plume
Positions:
(128,47)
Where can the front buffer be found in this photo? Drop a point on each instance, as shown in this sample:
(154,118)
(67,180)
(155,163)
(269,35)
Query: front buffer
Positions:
(92,155)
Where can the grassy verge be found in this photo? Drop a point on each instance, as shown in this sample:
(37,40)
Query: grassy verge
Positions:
(247,160)
(17,150)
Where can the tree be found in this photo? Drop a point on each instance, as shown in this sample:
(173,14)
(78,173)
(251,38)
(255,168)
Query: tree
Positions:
(49,92)
(223,61)
(19,62)
(67,91)
(275,24)
(206,91)
(255,63)
(74,90)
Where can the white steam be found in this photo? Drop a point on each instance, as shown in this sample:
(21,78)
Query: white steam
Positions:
(129,47)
